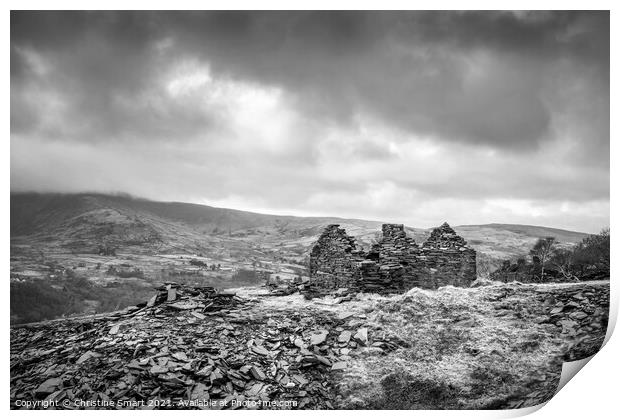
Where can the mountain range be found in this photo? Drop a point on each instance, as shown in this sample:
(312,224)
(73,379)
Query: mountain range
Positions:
(78,222)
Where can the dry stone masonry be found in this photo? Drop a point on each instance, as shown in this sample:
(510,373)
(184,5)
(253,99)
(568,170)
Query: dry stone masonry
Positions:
(334,259)
(393,265)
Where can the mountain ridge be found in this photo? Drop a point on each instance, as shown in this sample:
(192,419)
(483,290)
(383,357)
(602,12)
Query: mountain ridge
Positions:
(82,222)
(189,210)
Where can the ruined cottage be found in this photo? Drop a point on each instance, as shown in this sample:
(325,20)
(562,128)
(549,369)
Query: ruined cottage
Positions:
(393,265)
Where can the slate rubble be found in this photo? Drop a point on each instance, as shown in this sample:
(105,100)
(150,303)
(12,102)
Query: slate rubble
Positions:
(189,344)
(228,349)
(562,309)
(579,312)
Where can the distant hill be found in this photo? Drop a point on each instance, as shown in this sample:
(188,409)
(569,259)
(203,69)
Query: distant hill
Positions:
(32,211)
(80,222)
(496,242)
(561,235)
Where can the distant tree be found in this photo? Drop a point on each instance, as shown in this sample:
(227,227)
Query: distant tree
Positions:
(106,250)
(243,276)
(593,252)
(543,250)
(484,266)
(562,260)
(198,263)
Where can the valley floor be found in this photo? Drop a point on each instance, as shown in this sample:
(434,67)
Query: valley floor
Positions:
(493,347)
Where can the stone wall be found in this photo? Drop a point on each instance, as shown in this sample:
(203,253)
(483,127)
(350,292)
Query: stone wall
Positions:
(446,259)
(394,256)
(393,265)
(334,261)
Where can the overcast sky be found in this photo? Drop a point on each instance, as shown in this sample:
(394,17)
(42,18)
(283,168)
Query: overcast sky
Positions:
(411,117)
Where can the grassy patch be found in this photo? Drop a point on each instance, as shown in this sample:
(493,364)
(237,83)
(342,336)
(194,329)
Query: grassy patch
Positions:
(463,351)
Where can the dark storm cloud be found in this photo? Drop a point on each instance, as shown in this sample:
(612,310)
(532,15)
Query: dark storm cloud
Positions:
(101,72)
(441,112)
(470,76)
(411,69)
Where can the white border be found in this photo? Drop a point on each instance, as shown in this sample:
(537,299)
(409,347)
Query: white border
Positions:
(592,395)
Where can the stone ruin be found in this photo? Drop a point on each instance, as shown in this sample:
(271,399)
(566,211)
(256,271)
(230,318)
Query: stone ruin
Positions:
(393,265)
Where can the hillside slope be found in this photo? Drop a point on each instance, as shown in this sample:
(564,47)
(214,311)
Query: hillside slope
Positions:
(58,267)
(564,236)
(85,219)
(505,241)
(81,221)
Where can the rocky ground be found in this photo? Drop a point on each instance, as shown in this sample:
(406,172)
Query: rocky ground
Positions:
(495,346)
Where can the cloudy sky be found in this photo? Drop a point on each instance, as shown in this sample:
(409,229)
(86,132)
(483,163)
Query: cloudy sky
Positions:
(411,117)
